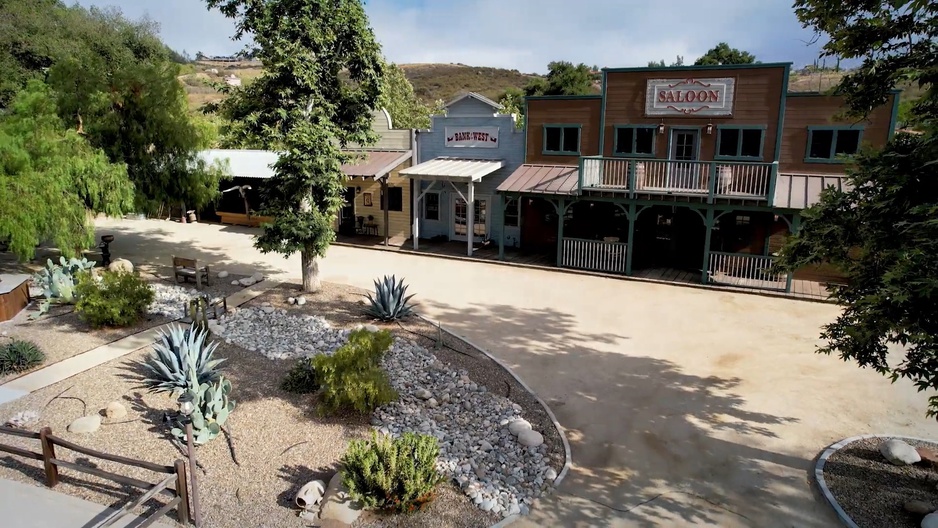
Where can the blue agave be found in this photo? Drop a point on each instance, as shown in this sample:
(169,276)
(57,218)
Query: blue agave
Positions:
(390,301)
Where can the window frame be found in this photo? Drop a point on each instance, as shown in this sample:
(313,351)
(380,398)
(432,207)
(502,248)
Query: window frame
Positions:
(615,141)
(517,205)
(561,126)
(739,143)
(834,158)
(439,206)
(386,199)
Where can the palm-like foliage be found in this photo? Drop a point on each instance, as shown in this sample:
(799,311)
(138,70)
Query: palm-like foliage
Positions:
(175,353)
(390,300)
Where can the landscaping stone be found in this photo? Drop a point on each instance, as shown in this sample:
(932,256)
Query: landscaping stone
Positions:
(257,276)
(222,274)
(930,521)
(85,424)
(423,394)
(121,266)
(919,507)
(530,438)
(300,301)
(550,474)
(899,452)
(278,334)
(291,300)
(247,281)
(928,456)
(235,282)
(23,419)
(517,426)
(336,503)
(115,411)
(170,300)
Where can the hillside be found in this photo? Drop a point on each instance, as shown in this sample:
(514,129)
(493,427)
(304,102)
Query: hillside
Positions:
(446,81)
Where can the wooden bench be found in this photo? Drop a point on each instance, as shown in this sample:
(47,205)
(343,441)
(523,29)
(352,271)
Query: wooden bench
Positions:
(189,269)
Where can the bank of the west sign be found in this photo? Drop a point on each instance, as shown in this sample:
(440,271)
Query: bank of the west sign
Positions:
(477,137)
(690,97)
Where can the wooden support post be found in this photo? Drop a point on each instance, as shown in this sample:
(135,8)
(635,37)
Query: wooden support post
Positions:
(470,217)
(500,201)
(387,207)
(182,491)
(415,192)
(48,453)
(708,225)
(560,214)
(795,227)
(632,215)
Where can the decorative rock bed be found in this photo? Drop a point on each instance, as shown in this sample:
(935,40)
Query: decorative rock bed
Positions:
(486,447)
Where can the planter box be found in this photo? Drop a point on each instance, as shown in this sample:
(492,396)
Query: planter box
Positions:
(242,219)
(14,295)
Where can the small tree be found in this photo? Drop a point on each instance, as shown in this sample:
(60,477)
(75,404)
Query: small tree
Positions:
(321,83)
(512,102)
(722,54)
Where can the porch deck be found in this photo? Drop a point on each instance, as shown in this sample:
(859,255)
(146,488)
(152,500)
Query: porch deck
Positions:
(801,289)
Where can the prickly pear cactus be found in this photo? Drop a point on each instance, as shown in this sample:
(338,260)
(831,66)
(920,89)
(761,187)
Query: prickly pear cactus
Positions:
(58,281)
(212,408)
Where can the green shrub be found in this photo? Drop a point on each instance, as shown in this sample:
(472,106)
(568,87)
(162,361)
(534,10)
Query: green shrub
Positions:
(19,356)
(397,474)
(114,299)
(302,378)
(352,378)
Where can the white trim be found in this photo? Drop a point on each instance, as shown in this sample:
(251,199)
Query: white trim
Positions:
(488,216)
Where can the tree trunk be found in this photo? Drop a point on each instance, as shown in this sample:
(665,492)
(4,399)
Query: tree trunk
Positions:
(311,282)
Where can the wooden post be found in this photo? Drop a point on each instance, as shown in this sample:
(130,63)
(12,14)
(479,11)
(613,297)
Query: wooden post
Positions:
(470,217)
(182,491)
(501,234)
(415,192)
(708,224)
(795,227)
(560,214)
(633,215)
(387,207)
(48,453)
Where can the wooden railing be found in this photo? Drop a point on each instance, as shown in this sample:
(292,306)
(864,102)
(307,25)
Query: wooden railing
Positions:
(594,255)
(176,472)
(722,179)
(745,271)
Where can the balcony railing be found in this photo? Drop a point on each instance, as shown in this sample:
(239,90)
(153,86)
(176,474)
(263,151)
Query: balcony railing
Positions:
(713,179)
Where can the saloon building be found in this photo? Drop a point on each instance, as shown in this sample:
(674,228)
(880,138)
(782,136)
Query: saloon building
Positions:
(684,173)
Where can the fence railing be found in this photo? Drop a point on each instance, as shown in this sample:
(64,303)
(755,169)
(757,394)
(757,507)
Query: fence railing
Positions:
(723,179)
(176,473)
(745,271)
(594,255)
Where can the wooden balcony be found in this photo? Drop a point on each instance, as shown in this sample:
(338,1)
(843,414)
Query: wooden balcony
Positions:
(707,179)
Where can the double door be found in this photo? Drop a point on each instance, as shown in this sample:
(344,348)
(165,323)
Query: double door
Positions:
(480,219)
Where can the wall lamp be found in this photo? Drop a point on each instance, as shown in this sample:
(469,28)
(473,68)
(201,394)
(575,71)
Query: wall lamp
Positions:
(661,127)
(358,190)
(709,128)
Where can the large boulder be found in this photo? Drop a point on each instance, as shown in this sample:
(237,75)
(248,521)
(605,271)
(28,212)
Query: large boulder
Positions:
(337,505)
(85,424)
(899,452)
(121,266)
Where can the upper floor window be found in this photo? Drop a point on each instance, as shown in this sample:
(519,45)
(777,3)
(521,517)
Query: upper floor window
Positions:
(740,142)
(827,144)
(562,139)
(637,140)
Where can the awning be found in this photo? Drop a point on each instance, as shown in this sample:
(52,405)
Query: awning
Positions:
(542,179)
(799,191)
(453,169)
(243,163)
(375,163)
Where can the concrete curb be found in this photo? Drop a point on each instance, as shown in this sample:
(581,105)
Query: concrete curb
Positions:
(711,287)
(833,448)
(568,457)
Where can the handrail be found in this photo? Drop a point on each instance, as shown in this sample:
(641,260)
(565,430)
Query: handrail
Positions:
(113,458)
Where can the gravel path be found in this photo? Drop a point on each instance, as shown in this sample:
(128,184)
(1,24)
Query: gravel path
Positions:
(872,491)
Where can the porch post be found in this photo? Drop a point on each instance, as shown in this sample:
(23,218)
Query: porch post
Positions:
(470,220)
(560,214)
(415,193)
(501,225)
(633,214)
(387,207)
(705,271)
(795,227)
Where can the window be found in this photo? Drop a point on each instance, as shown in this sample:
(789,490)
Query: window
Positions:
(431,206)
(562,139)
(827,144)
(511,212)
(635,141)
(395,200)
(740,142)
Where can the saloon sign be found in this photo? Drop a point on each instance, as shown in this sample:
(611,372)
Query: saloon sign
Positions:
(690,97)
(473,137)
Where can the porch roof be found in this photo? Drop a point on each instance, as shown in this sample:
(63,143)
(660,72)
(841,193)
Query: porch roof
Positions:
(453,169)
(542,179)
(801,190)
(375,163)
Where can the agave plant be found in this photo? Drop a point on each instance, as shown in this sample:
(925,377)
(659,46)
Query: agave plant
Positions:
(389,301)
(212,408)
(58,281)
(175,354)
(19,356)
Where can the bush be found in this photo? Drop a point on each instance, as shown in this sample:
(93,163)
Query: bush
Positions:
(352,378)
(114,299)
(19,356)
(397,475)
(302,378)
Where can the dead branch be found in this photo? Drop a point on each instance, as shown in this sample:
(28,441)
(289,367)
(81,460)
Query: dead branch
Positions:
(231,446)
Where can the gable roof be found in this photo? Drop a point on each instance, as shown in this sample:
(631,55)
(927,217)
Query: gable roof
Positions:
(477,97)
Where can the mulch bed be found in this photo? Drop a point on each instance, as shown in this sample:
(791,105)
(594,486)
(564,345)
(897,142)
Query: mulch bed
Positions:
(872,491)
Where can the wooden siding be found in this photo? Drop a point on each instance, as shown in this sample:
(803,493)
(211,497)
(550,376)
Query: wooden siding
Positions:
(390,139)
(470,107)
(802,111)
(583,112)
(757,101)
(399,222)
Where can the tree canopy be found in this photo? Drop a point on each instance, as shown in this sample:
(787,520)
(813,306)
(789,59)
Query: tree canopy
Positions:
(722,54)
(306,107)
(563,78)
(883,231)
(399,99)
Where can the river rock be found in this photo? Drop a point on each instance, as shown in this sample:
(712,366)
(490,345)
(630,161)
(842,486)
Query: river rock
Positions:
(517,426)
(530,438)
(222,274)
(257,276)
(300,301)
(115,411)
(85,424)
(423,394)
(247,281)
(899,452)
(919,507)
(930,521)
(121,266)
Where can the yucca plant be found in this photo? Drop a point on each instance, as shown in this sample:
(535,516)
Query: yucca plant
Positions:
(174,353)
(19,356)
(390,301)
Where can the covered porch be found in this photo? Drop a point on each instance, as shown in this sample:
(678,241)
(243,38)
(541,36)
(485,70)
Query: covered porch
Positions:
(370,208)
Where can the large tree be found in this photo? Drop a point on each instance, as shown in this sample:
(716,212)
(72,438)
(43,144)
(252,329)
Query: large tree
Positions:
(722,54)
(321,82)
(563,78)
(399,99)
(883,231)
(52,181)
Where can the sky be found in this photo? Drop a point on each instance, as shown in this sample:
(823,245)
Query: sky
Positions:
(527,34)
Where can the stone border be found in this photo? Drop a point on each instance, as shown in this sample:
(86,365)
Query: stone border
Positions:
(568,458)
(833,448)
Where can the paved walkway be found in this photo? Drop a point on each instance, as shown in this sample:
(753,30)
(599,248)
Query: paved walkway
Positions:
(684,407)
(26,506)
